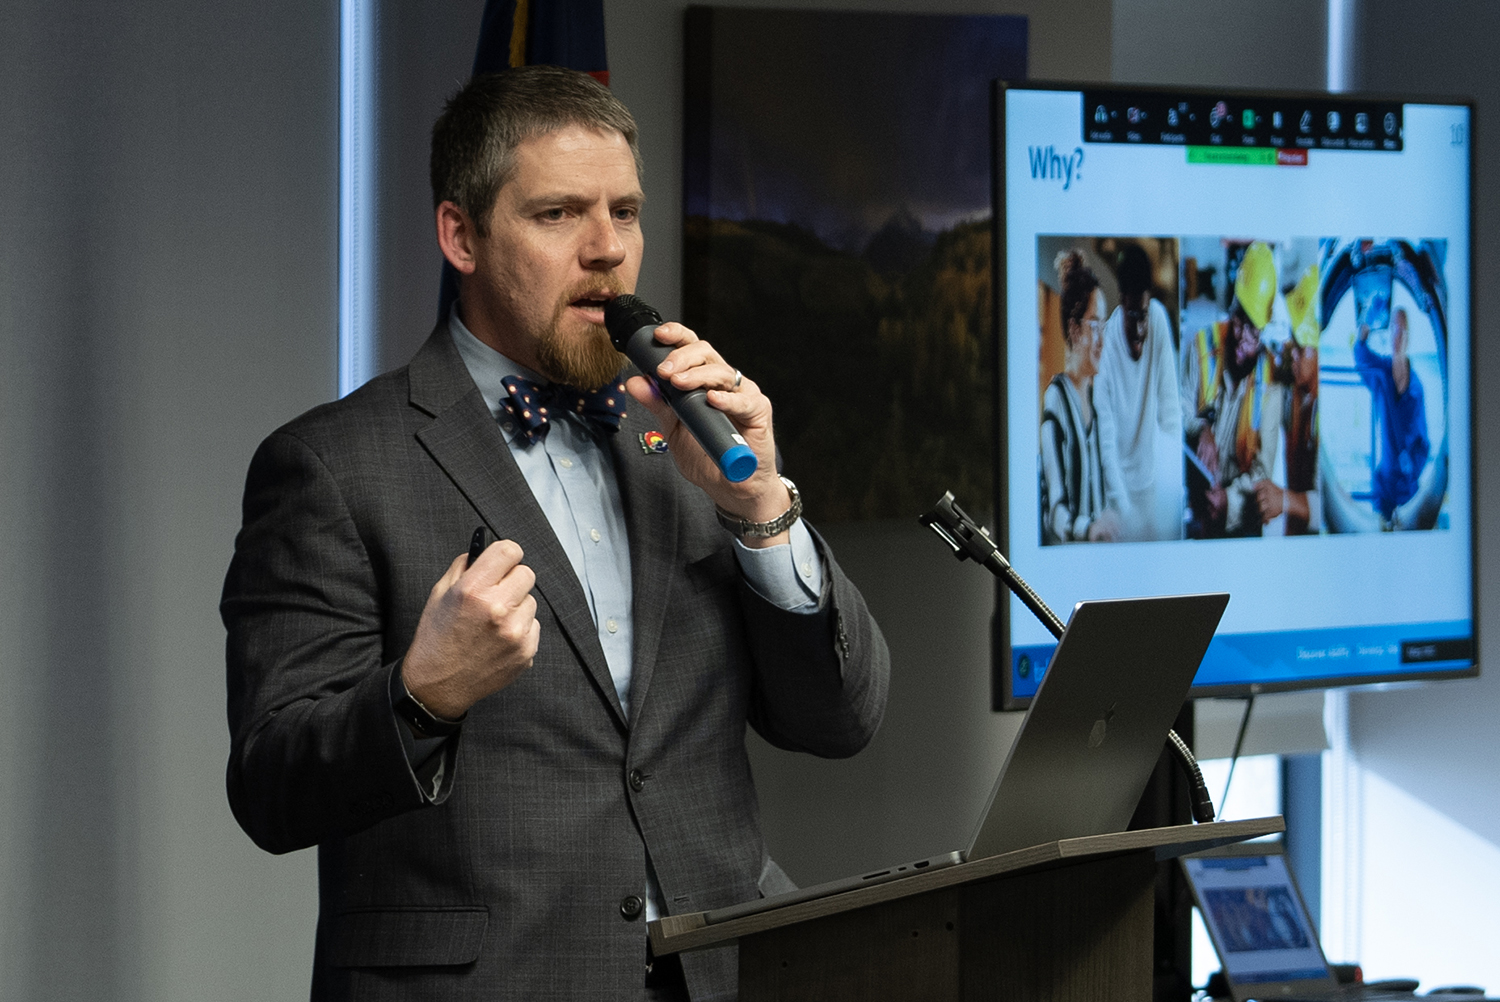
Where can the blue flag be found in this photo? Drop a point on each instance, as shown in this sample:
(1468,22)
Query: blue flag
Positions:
(535,33)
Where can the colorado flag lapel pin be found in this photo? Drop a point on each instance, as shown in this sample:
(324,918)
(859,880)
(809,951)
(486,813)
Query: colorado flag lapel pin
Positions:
(653,441)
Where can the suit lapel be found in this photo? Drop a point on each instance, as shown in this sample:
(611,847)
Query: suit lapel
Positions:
(646,488)
(465,441)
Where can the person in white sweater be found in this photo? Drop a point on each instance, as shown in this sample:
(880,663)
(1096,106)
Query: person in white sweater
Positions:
(1136,398)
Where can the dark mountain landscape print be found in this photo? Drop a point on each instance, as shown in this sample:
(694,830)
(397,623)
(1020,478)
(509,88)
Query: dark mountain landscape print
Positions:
(837,241)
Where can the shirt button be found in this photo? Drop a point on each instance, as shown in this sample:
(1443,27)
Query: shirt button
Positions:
(807,568)
(565,463)
(507,426)
(637,780)
(611,625)
(631,907)
(594,535)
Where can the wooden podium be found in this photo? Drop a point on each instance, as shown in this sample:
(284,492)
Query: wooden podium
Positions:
(1066,921)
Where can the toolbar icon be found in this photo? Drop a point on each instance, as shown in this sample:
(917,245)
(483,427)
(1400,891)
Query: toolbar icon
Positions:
(1218,115)
(1305,124)
(1276,120)
(1334,121)
(1247,118)
(1390,123)
(1101,117)
(1362,123)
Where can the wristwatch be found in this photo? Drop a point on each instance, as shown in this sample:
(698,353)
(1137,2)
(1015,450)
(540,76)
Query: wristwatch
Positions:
(418,717)
(763,530)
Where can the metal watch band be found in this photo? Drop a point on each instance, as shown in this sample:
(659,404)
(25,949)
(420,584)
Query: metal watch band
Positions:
(422,720)
(763,530)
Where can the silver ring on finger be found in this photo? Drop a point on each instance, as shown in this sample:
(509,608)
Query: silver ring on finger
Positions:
(739,377)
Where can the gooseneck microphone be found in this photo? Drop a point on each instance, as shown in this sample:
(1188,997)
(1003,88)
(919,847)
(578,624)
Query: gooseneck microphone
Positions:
(971,541)
(632,327)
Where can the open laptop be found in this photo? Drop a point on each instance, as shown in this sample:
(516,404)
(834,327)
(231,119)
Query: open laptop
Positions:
(1260,927)
(1088,742)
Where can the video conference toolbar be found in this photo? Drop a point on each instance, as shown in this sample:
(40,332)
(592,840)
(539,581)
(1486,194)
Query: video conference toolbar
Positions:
(1164,119)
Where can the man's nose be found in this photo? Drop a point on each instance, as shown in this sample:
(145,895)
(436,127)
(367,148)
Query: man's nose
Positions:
(602,246)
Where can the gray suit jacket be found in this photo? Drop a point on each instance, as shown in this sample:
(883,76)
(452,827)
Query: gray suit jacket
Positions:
(511,886)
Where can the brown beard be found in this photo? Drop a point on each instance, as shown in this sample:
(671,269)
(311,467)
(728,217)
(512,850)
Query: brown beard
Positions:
(586,360)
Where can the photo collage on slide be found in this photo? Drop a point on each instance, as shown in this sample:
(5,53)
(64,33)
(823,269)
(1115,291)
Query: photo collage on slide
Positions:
(1206,387)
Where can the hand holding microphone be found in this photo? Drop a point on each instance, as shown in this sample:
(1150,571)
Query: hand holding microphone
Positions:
(632,327)
(724,412)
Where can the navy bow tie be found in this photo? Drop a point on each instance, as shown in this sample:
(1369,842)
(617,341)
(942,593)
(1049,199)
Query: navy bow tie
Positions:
(531,404)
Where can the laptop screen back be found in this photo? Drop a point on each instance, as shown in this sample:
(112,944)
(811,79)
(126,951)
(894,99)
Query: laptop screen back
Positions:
(1257,920)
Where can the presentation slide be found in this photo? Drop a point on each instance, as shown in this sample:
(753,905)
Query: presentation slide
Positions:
(1236,357)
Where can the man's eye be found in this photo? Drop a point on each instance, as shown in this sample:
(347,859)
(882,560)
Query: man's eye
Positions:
(553,214)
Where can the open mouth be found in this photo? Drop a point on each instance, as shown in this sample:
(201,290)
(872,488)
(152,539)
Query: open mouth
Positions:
(591,304)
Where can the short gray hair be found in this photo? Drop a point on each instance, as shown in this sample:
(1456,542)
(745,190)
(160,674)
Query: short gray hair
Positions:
(474,141)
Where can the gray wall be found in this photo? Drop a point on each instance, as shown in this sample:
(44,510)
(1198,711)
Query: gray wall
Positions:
(425,50)
(168,210)
(1440,743)
(1279,44)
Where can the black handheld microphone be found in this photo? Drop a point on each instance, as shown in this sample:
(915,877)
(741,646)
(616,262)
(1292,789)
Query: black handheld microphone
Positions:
(632,327)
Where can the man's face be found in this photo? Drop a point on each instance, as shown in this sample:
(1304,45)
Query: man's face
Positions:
(1137,322)
(564,237)
(1244,344)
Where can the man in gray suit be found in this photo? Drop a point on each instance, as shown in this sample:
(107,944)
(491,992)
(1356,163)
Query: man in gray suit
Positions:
(508,764)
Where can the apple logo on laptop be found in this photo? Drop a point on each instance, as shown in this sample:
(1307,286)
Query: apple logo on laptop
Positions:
(1101,727)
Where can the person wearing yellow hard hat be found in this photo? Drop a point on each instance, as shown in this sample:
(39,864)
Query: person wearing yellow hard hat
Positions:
(1302,309)
(1232,403)
(1255,283)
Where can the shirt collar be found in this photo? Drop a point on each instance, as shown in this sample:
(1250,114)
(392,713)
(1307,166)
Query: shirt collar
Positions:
(488,368)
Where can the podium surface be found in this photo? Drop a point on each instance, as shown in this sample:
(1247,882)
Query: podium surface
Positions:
(1068,920)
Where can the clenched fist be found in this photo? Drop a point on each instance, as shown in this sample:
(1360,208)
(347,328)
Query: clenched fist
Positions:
(477,633)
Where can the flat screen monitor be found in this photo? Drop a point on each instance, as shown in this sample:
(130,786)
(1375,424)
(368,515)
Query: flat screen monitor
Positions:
(1234,344)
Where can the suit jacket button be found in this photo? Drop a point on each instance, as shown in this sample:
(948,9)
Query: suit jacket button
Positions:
(631,907)
(637,780)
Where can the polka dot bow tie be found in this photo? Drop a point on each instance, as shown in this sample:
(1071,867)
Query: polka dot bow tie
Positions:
(532,405)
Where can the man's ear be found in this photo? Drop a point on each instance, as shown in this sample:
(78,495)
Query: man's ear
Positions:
(456,235)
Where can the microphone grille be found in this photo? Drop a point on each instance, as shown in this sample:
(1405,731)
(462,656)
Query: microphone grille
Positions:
(624,315)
